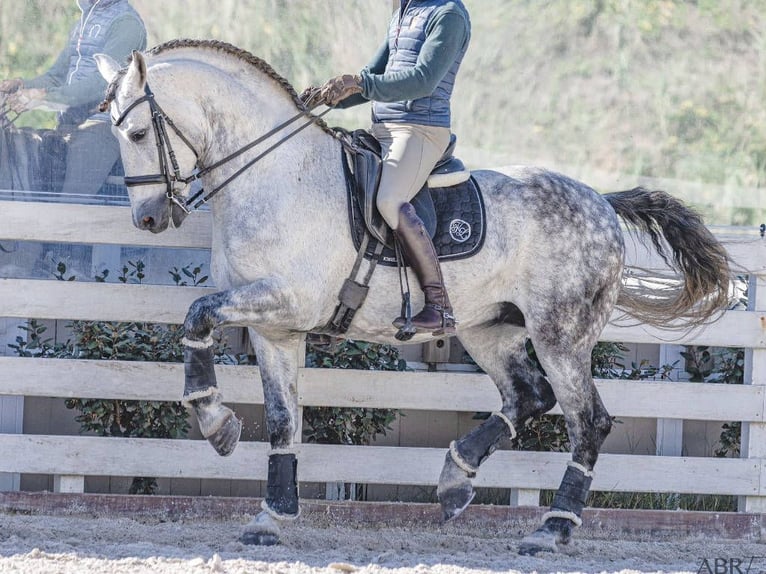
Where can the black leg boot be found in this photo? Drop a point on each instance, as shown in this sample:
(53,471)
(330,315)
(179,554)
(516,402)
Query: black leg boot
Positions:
(420,254)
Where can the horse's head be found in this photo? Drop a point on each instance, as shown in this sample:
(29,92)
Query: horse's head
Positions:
(154,157)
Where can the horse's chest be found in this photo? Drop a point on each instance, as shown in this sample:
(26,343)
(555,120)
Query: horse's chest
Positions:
(242,258)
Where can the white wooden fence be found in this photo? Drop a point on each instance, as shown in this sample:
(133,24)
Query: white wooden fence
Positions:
(71,458)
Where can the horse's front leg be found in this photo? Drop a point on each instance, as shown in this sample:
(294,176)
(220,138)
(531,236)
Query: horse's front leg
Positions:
(217,422)
(266,306)
(278,360)
(263,302)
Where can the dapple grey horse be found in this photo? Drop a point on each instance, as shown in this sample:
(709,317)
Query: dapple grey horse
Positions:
(551,269)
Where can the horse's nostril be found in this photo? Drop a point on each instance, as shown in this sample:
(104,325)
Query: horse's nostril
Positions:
(148,221)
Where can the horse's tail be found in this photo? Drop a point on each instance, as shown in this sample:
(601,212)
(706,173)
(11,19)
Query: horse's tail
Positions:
(694,254)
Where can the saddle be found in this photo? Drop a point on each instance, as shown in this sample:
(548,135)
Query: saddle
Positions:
(449,204)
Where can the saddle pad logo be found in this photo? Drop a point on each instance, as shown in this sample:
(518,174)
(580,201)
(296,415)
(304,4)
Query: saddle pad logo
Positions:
(459,230)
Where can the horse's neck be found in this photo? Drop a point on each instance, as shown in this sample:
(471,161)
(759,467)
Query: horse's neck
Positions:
(251,107)
(293,180)
(298,182)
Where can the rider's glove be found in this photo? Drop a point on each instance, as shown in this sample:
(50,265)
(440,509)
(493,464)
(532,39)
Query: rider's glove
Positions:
(337,89)
(311,97)
(11,85)
(23,100)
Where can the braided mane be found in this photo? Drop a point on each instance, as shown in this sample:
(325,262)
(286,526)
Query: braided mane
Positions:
(238,53)
(216,45)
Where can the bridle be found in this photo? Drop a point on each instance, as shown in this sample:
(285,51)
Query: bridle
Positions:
(170,172)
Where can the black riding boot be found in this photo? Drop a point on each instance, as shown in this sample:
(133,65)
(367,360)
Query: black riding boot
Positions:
(420,253)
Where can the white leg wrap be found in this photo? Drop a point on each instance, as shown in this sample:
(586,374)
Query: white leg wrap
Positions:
(277,516)
(459,460)
(563,514)
(203,344)
(507,421)
(581,468)
(186,401)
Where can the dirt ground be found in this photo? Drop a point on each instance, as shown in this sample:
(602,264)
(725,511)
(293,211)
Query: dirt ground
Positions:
(32,544)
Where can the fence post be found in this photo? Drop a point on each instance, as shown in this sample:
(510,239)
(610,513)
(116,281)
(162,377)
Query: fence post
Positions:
(670,432)
(525,497)
(68,483)
(11,422)
(753,441)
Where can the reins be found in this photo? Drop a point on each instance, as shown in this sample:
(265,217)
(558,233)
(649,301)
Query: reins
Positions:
(165,151)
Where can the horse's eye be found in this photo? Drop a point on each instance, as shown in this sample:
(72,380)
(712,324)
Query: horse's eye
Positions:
(137,136)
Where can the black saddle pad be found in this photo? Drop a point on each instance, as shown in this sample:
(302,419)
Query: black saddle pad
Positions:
(460,222)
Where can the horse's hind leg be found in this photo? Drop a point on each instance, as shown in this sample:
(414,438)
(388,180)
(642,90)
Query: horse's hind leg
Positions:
(567,365)
(501,351)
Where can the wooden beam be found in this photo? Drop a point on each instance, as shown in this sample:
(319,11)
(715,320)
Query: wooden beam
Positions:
(94,224)
(440,391)
(28,298)
(81,455)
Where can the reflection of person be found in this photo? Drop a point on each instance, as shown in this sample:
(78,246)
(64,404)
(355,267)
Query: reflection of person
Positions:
(74,85)
(410,81)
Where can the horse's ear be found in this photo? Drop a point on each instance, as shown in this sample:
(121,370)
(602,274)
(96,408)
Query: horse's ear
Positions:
(107,65)
(136,76)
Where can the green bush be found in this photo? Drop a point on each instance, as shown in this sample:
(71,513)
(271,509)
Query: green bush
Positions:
(124,341)
(349,425)
(344,425)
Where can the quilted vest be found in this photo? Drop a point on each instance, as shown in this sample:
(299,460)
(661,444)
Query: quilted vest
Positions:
(406,35)
(87,39)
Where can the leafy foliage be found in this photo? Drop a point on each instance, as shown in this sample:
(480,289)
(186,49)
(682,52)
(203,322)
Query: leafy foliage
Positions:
(124,341)
(725,366)
(549,432)
(343,425)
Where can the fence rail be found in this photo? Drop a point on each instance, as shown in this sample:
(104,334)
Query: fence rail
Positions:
(75,457)
(438,391)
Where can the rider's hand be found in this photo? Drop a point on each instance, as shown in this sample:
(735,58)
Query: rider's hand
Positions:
(337,89)
(11,85)
(311,97)
(22,100)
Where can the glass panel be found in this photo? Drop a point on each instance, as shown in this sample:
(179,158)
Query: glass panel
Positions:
(664,93)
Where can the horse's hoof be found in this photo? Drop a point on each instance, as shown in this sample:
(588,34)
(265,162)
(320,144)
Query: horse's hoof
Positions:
(532,546)
(455,501)
(259,538)
(262,530)
(546,539)
(455,491)
(226,438)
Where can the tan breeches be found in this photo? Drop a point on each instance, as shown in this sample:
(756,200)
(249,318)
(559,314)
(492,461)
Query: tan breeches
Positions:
(409,152)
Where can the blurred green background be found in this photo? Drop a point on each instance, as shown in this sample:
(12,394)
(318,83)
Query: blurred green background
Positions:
(665,93)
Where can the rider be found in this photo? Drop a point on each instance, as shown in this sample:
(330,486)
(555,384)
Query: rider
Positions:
(74,84)
(410,81)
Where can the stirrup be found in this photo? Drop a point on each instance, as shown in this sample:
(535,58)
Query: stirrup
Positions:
(407,326)
(404,323)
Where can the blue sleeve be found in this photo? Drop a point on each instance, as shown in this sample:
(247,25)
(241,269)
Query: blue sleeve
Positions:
(377,65)
(444,39)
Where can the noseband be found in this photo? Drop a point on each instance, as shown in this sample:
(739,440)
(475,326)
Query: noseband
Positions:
(167,157)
